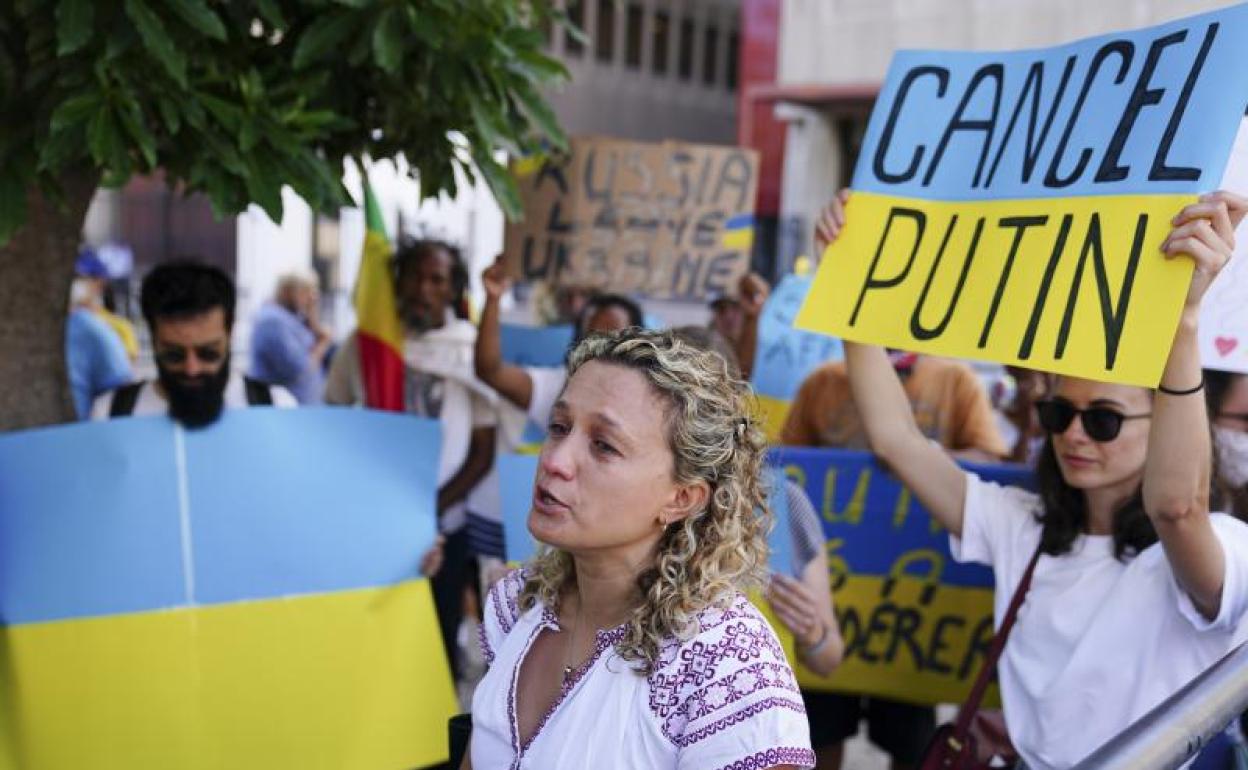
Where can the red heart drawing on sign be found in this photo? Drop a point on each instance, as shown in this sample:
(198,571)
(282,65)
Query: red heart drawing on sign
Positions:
(1225,344)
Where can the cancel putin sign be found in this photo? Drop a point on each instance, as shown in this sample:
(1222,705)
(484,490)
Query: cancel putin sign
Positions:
(1011,206)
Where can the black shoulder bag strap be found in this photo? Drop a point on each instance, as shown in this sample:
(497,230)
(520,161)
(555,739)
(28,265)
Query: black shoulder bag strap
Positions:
(962,726)
(258,393)
(124,399)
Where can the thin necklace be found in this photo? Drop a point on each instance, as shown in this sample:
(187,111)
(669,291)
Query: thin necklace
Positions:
(569,648)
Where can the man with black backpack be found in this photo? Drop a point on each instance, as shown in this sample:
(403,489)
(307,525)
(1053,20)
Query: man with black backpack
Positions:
(189,308)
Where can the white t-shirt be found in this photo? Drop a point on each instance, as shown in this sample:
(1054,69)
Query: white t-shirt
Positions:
(1098,642)
(150,401)
(548,382)
(486,498)
(724,699)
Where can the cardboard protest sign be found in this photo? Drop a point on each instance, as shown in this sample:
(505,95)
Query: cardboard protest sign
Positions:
(784,355)
(916,623)
(668,220)
(1224,314)
(1010,206)
(516,474)
(243,596)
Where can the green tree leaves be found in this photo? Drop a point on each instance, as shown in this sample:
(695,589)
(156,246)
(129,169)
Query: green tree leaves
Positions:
(73,25)
(239,99)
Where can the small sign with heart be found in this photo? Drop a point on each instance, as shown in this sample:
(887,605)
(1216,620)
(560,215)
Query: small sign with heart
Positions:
(1224,313)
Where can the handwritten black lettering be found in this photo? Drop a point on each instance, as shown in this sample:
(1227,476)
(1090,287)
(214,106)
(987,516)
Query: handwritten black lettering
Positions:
(920,222)
(981,640)
(1020,225)
(1125,50)
(1112,318)
(994,72)
(1034,84)
(736,174)
(595,189)
(707,228)
(917,328)
(1141,96)
(1160,172)
(1037,309)
(937,644)
(942,79)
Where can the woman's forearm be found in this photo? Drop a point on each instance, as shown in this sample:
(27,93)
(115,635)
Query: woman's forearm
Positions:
(1177,474)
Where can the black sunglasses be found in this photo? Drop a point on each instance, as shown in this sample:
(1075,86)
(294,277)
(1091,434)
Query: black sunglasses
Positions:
(177,355)
(1099,422)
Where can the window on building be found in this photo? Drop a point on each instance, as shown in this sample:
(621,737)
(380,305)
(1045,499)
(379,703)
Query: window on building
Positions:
(572,45)
(710,54)
(662,33)
(632,36)
(605,34)
(684,61)
(734,61)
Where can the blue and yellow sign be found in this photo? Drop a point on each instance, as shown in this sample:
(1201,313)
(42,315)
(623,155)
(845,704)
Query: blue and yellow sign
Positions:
(244,596)
(916,623)
(784,356)
(1010,206)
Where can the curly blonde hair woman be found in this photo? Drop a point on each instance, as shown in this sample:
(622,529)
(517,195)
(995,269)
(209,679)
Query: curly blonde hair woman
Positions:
(628,641)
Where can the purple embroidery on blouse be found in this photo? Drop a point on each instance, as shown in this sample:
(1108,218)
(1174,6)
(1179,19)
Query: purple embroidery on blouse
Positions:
(784,755)
(739,659)
(688,739)
(505,594)
(511,694)
(604,640)
(484,643)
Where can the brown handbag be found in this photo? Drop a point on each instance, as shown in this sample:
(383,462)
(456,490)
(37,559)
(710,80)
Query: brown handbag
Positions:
(955,745)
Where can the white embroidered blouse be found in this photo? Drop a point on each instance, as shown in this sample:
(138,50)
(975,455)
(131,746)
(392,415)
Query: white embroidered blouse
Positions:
(726,699)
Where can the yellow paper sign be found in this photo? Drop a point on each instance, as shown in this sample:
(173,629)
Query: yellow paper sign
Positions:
(1077,286)
(905,639)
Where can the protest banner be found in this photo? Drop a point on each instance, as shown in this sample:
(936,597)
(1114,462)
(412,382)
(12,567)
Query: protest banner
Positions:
(534,346)
(1010,206)
(243,596)
(667,220)
(916,623)
(1224,313)
(516,473)
(784,356)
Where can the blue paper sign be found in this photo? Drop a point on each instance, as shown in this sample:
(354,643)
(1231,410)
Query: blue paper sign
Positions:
(516,474)
(874,524)
(784,355)
(1151,111)
(140,514)
(535,345)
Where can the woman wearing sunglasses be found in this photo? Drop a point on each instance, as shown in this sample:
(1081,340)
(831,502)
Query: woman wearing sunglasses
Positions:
(1138,587)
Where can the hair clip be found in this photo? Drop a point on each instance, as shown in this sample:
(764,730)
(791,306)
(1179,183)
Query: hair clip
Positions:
(742,424)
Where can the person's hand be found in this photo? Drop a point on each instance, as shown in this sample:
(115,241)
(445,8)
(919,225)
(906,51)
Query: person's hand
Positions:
(830,222)
(431,560)
(495,280)
(752,294)
(796,608)
(1205,232)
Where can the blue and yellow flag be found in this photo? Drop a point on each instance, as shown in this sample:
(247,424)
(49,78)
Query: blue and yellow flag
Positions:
(243,596)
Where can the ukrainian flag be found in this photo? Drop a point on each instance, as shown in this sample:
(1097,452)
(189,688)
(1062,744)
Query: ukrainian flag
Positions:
(738,233)
(244,596)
